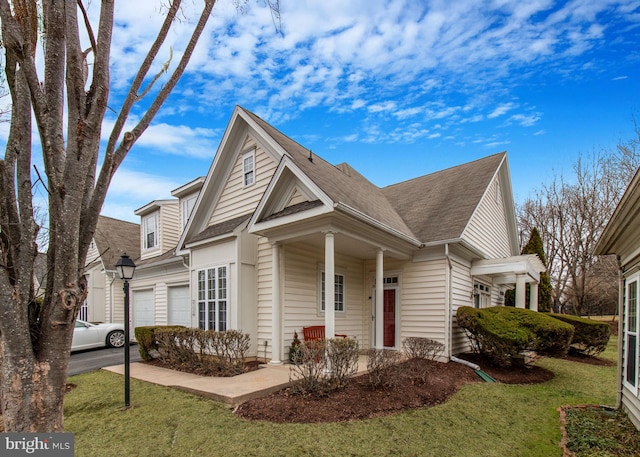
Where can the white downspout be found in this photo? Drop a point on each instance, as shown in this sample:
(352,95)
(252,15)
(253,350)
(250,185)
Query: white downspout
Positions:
(621,291)
(448,328)
(111,297)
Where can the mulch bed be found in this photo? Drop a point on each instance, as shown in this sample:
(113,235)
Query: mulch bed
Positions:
(435,384)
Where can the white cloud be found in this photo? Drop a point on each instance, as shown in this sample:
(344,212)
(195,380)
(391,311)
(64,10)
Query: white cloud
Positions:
(384,106)
(501,110)
(180,140)
(525,120)
(141,187)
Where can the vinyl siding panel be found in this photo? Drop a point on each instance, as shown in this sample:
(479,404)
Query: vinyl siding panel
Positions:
(169,226)
(422,292)
(116,299)
(487,230)
(93,254)
(631,404)
(96,279)
(461,290)
(264,296)
(236,199)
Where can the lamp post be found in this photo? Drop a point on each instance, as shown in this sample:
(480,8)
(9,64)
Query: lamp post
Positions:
(126,267)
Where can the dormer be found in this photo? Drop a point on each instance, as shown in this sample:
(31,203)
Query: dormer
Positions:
(187,196)
(159,227)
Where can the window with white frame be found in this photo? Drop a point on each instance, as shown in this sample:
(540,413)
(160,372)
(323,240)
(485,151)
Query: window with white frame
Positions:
(212,298)
(631,333)
(338,295)
(187,207)
(248,168)
(481,295)
(150,231)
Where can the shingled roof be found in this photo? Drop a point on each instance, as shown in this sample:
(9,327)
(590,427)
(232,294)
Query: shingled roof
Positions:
(341,183)
(221,228)
(114,237)
(438,206)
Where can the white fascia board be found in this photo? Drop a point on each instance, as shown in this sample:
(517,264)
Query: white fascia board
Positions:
(290,219)
(504,175)
(376,223)
(197,214)
(188,187)
(508,267)
(152,206)
(175,259)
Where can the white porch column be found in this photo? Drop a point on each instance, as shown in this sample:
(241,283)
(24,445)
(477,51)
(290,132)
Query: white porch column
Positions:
(276,307)
(379,341)
(533,297)
(521,291)
(329,287)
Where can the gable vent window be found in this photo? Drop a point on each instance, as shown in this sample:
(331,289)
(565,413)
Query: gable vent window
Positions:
(248,168)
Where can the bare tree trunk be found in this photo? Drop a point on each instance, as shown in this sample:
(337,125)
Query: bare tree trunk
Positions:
(35,337)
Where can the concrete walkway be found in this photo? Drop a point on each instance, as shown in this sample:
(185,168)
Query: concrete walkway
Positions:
(232,391)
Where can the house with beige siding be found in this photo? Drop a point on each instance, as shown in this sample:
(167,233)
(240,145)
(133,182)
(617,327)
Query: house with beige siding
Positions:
(280,239)
(105,298)
(160,286)
(621,237)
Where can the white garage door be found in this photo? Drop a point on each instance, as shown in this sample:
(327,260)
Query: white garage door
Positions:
(143,312)
(179,306)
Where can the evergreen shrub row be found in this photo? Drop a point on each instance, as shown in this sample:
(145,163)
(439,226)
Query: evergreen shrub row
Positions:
(503,333)
(147,344)
(590,336)
(205,352)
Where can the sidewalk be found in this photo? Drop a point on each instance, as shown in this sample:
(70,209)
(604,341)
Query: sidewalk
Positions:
(233,391)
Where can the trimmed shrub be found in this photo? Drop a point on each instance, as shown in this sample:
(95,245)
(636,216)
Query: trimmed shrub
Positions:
(381,367)
(421,348)
(503,333)
(590,336)
(308,370)
(321,366)
(204,351)
(342,356)
(146,339)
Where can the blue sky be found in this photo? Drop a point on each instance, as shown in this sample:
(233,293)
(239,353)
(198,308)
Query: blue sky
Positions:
(396,88)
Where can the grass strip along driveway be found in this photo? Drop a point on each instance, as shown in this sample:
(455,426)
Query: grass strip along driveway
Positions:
(481,420)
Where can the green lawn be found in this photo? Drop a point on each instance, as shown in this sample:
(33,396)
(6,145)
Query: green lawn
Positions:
(480,420)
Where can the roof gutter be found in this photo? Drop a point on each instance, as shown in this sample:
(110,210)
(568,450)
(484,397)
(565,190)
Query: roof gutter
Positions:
(376,223)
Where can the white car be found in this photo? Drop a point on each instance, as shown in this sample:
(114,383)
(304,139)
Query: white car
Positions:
(87,335)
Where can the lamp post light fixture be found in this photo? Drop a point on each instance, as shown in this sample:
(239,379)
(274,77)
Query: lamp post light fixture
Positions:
(126,267)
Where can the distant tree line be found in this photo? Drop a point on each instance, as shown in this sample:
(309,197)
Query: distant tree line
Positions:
(569,214)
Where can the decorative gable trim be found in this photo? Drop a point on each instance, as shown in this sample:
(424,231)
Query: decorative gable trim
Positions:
(289,182)
(233,144)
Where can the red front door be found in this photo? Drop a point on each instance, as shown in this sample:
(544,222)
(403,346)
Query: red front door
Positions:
(389,318)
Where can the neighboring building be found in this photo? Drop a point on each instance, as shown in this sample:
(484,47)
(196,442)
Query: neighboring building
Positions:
(280,239)
(622,238)
(160,286)
(111,239)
